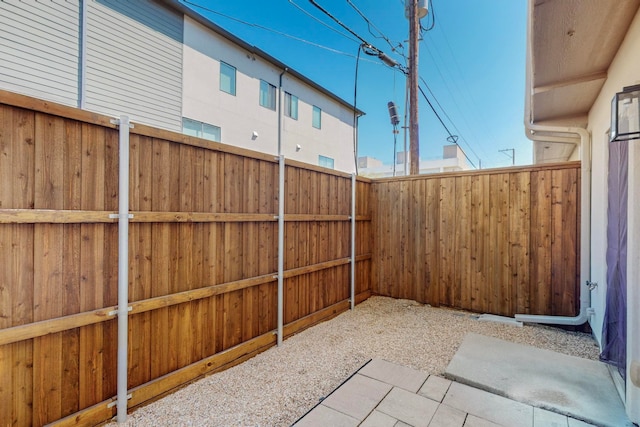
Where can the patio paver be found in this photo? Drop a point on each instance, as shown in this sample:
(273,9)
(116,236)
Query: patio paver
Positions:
(358,396)
(408,407)
(322,416)
(446,416)
(379,419)
(397,375)
(435,388)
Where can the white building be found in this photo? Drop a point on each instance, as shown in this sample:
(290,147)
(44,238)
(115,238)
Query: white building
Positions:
(165,65)
(453,160)
(580,54)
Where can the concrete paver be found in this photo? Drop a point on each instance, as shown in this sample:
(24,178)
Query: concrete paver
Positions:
(408,407)
(397,375)
(436,402)
(379,419)
(446,416)
(489,406)
(322,416)
(435,388)
(473,421)
(358,396)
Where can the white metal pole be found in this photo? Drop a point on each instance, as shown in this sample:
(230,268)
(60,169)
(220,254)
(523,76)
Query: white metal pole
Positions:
(280,249)
(123,268)
(353,240)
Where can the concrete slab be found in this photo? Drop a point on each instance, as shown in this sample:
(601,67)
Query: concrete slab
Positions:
(397,375)
(435,388)
(378,419)
(323,416)
(544,418)
(491,407)
(572,386)
(358,396)
(408,407)
(446,416)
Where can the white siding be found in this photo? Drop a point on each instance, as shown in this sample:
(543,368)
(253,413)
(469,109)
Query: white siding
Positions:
(39,49)
(134,61)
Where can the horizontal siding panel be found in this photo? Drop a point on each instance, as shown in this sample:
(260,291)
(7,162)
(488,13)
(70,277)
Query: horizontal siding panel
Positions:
(129,91)
(39,49)
(64,12)
(101,38)
(134,62)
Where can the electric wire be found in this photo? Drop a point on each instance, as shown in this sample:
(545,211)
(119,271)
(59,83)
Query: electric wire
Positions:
(453,139)
(371,24)
(449,118)
(330,49)
(432,14)
(322,22)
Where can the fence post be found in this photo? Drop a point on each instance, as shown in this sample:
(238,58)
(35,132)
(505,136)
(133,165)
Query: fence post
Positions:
(123,266)
(353,240)
(280,248)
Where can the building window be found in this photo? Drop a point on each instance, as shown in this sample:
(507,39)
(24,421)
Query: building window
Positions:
(227,78)
(325,162)
(317,117)
(267,95)
(291,106)
(201,130)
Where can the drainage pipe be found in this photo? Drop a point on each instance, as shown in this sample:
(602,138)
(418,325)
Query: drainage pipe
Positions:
(280,248)
(353,241)
(123,268)
(280,110)
(582,138)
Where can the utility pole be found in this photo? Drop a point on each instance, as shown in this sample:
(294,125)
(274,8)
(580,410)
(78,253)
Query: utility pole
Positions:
(414,139)
(513,154)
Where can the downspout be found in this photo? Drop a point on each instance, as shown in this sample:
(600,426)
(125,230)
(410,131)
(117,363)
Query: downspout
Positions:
(582,138)
(280,111)
(82,63)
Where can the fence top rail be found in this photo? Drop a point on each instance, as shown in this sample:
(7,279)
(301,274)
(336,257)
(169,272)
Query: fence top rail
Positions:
(493,171)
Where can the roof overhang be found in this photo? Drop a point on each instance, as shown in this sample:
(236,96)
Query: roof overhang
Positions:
(570,46)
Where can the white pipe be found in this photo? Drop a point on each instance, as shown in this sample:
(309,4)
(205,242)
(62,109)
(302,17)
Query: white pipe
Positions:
(533,132)
(123,268)
(280,249)
(280,111)
(353,241)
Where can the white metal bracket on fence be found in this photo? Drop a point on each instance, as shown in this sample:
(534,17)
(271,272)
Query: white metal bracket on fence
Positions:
(118,121)
(114,312)
(116,216)
(115,402)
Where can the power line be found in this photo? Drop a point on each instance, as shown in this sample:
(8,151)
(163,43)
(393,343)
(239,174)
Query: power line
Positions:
(371,24)
(453,139)
(322,22)
(261,27)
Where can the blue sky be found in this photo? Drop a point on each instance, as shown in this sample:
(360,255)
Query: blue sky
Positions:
(473,61)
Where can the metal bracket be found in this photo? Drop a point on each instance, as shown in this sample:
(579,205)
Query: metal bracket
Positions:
(114,312)
(115,402)
(117,216)
(117,123)
(591,285)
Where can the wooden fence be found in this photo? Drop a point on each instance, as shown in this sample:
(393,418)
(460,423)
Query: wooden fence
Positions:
(202,259)
(203,247)
(501,241)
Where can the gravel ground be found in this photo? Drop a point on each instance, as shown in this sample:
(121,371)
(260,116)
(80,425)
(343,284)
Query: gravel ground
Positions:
(278,386)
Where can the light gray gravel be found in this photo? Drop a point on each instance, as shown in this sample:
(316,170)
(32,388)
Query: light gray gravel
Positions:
(278,386)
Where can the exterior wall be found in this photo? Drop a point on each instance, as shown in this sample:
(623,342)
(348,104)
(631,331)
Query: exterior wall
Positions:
(241,115)
(134,62)
(622,72)
(39,49)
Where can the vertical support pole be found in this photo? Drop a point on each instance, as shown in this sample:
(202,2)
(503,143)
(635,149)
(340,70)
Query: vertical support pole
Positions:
(414,137)
(353,241)
(280,248)
(123,268)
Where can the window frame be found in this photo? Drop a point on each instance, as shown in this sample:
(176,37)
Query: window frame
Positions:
(232,79)
(200,132)
(269,97)
(323,161)
(316,110)
(289,101)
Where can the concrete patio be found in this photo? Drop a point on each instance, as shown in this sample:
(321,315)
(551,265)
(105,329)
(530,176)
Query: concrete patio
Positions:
(384,394)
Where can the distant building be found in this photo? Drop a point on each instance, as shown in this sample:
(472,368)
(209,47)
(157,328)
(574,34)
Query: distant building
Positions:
(164,65)
(453,159)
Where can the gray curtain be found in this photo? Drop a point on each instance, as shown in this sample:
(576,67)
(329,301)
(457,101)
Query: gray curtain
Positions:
(614,330)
